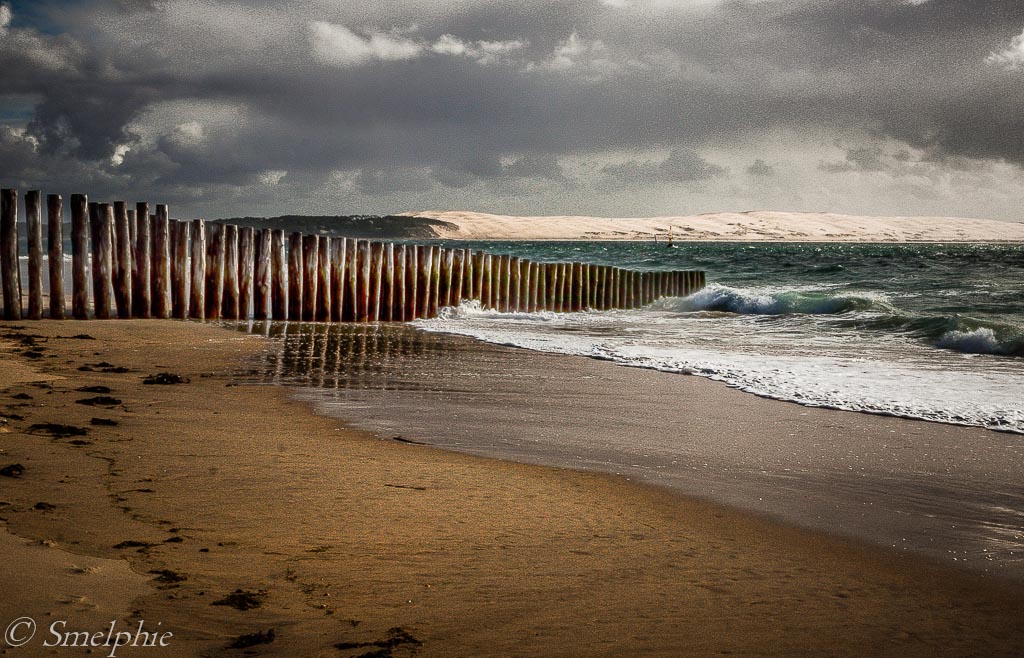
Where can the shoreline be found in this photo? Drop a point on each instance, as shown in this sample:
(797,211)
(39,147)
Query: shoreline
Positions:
(354,536)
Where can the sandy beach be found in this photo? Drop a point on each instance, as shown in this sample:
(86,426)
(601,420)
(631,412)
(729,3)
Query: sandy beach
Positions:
(223,512)
(758,226)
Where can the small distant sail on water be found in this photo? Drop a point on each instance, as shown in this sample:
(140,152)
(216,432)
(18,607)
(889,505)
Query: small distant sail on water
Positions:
(669,236)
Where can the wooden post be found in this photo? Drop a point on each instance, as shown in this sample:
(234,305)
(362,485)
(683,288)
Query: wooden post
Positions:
(435,281)
(352,283)
(10,271)
(468,274)
(197,287)
(323,279)
(447,278)
(514,282)
(229,301)
(102,259)
(122,261)
(215,252)
(295,283)
(246,266)
(261,276)
(542,287)
(529,286)
(458,274)
(426,259)
(500,281)
(161,263)
(560,291)
(550,286)
(179,276)
(575,286)
(363,274)
(400,302)
(55,255)
(376,284)
(142,264)
(310,279)
(387,304)
(34,233)
(411,279)
(79,256)
(337,278)
(477,292)
(279,276)
(486,277)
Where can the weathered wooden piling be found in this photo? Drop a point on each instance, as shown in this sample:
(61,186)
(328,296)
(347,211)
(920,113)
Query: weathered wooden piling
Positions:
(10,272)
(55,253)
(197,283)
(101,219)
(515,283)
(261,280)
(122,261)
(34,235)
(338,273)
(447,280)
(458,276)
(295,282)
(246,263)
(142,263)
(551,285)
(476,276)
(425,256)
(79,256)
(229,308)
(323,280)
(279,276)
(387,305)
(352,280)
(365,266)
(401,289)
(310,275)
(577,287)
(161,263)
(181,244)
(376,283)
(411,281)
(215,252)
(435,282)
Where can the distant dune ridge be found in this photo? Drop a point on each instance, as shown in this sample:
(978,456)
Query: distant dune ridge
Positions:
(742,227)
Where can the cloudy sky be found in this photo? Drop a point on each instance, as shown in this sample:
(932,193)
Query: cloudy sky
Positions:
(605,107)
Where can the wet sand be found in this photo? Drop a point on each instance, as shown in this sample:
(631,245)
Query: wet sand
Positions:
(245,512)
(951,493)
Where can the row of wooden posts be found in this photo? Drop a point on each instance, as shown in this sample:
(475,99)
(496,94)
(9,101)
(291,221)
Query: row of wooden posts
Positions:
(149,266)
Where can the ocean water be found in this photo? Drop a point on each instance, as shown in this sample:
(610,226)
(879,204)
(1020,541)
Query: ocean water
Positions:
(925,331)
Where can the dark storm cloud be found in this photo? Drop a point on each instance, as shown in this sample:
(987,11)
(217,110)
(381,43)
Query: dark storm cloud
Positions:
(416,94)
(681,166)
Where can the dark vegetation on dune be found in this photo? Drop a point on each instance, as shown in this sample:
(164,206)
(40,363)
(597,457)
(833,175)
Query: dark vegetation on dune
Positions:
(349,226)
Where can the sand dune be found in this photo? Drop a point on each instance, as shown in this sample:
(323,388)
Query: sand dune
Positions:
(745,226)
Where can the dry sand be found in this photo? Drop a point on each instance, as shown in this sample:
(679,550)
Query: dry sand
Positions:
(761,226)
(391,549)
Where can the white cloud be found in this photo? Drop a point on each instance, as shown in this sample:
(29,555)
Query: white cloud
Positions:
(272,176)
(339,46)
(5,16)
(121,150)
(484,52)
(1010,59)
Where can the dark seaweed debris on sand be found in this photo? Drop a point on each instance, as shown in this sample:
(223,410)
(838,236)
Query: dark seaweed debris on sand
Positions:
(253,639)
(12,470)
(99,401)
(242,600)
(397,637)
(57,430)
(165,378)
(94,389)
